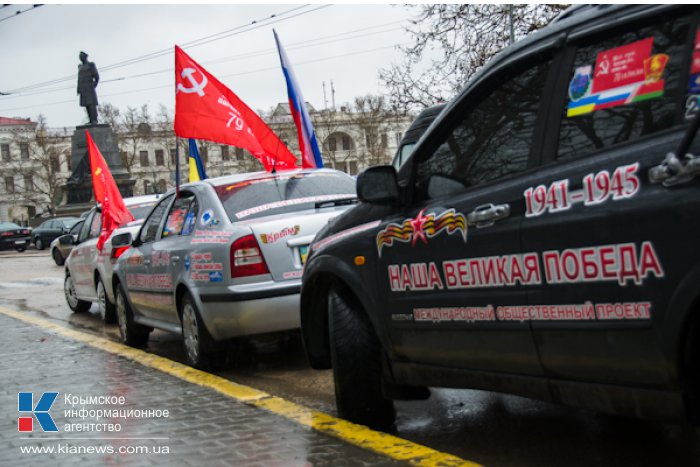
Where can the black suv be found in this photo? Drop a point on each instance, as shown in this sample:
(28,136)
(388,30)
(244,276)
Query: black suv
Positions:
(548,241)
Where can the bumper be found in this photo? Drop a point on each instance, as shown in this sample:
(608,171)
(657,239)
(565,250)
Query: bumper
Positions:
(242,311)
(11,243)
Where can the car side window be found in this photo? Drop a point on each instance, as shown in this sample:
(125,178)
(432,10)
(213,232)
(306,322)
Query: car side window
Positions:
(85,229)
(178,216)
(693,96)
(495,138)
(624,87)
(152,222)
(95,225)
(76,228)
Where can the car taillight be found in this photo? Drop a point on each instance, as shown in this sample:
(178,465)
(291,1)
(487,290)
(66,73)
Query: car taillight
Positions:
(6,234)
(117,252)
(25,232)
(246,258)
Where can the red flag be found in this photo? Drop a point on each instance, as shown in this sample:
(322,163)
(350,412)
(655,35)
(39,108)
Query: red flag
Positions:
(114,212)
(206,109)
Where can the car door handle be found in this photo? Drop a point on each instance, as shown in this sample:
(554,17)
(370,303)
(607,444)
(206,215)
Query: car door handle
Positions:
(487,214)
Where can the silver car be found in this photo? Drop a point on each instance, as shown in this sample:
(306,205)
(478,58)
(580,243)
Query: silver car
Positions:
(224,258)
(63,245)
(89,271)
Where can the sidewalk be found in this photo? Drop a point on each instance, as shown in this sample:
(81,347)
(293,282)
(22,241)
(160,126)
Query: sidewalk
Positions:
(153,417)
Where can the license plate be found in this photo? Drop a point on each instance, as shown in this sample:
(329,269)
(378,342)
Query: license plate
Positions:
(20,242)
(303,252)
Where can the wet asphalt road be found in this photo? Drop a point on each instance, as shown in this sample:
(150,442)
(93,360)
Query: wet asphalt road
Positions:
(488,428)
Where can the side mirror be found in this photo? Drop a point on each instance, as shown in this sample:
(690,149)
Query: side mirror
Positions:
(378,185)
(122,240)
(67,239)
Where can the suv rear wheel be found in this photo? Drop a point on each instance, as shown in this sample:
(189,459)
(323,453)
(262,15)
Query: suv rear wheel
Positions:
(356,355)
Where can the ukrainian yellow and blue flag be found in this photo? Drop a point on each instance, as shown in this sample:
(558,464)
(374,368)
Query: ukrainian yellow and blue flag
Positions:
(197,171)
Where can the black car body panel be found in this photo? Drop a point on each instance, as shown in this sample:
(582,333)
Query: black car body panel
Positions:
(530,252)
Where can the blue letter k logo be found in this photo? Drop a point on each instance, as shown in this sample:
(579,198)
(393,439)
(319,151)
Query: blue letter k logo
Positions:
(41,411)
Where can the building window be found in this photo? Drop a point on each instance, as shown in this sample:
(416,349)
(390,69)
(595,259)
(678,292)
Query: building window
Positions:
(385,140)
(10,184)
(239,154)
(124,157)
(146,187)
(160,157)
(352,167)
(55,163)
(24,151)
(5,148)
(224,153)
(331,144)
(143,155)
(28,183)
(346,143)
(204,154)
(173,153)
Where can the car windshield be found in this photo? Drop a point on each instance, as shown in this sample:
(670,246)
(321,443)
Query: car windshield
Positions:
(140,211)
(9,225)
(283,194)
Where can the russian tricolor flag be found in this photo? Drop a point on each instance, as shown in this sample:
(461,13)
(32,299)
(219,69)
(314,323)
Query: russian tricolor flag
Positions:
(310,154)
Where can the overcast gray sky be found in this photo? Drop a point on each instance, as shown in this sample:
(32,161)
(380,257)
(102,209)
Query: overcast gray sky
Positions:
(346,44)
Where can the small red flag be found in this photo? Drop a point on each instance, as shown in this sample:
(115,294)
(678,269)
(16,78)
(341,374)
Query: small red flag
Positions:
(114,212)
(206,109)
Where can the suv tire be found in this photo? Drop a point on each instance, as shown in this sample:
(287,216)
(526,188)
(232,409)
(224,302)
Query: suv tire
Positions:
(130,333)
(39,243)
(356,355)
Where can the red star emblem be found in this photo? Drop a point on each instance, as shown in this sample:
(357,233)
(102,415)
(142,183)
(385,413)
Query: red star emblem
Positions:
(417,225)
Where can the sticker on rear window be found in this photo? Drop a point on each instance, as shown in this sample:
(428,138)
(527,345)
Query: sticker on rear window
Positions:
(207,217)
(623,75)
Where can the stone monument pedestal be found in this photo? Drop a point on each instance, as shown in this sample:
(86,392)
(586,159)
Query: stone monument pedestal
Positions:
(79,194)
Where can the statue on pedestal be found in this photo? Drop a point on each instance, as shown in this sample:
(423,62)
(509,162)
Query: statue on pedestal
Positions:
(87,82)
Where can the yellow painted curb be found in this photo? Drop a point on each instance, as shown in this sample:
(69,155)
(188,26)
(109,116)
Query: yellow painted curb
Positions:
(358,435)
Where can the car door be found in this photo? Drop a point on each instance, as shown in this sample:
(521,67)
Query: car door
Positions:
(612,244)
(84,257)
(170,252)
(145,288)
(450,263)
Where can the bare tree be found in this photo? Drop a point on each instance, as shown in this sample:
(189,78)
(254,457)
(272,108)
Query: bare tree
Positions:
(39,165)
(136,126)
(456,41)
(371,114)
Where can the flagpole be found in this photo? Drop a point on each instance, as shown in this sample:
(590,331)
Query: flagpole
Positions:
(177,167)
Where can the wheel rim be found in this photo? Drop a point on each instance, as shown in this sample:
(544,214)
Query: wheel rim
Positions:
(69,290)
(57,257)
(121,315)
(39,244)
(101,298)
(191,332)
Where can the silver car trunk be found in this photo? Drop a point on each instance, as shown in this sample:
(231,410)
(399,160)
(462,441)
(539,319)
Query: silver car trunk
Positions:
(284,239)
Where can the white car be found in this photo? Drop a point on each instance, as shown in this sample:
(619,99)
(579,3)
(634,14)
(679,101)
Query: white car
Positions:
(89,271)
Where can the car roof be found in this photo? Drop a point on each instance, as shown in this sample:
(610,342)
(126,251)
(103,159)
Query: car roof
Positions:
(244,177)
(143,199)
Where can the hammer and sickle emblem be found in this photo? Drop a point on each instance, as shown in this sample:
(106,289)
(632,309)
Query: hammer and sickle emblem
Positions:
(196,86)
